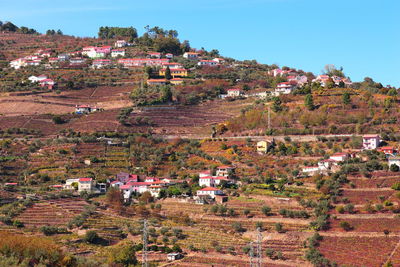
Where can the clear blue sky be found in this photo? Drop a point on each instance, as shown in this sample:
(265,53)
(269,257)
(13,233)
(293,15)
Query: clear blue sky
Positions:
(363,36)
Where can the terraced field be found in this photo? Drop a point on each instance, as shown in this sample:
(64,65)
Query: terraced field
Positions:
(55,212)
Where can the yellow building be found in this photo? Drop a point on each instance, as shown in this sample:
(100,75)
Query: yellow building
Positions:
(175,72)
(262,146)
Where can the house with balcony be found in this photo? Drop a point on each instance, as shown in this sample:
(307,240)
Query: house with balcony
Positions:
(371,141)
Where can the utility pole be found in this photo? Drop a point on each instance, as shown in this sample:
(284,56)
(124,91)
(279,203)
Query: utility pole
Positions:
(259,247)
(269,117)
(144,250)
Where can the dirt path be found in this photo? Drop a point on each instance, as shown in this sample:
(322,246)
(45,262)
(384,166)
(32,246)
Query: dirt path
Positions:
(393,251)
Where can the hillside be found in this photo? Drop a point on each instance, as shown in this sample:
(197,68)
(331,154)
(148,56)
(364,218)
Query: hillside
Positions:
(111,143)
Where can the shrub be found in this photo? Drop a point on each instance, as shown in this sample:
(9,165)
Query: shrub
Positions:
(279,228)
(266,210)
(396,186)
(346,226)
(238,227)
(58,120)
(91,237)
(394,168)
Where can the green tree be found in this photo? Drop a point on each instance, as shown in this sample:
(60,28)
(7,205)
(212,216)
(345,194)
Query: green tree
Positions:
(168,75)
(309,102)
(277,104)
(125,255)
(394,168)
(346,98)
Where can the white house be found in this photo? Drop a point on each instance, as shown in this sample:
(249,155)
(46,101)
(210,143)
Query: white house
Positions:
(209,191)
(191,55)
(371,141)
(205,173)
(120,43)
(126,191)
(101,63)
(35,79)
(85,184)
(82,109)
(224,170)
(235,92)
(310,170)
(18,63)
(211,181)
(210,63)
(172,65)
(219,60)
(77,61)
(339,157)
(118,52)
(69,183)
(116,184)
(326,164)
(284,88)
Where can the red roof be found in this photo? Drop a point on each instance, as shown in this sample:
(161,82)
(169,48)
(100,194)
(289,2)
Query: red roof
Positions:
(371,136)
(57,186)
(340,154)
(157,80)
(85,179)
(10,183)
(209,189)
(125,187)
(386,148)
(139,183)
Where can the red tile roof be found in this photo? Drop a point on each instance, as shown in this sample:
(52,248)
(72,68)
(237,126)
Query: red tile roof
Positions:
(209,189)
(85,179)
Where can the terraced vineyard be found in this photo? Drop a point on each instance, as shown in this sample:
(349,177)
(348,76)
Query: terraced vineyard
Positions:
(55,212)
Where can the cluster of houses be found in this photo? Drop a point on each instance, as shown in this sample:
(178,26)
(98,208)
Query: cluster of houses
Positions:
(323,80)
(369,142)
(132,184)
(295,80)
(43,81)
